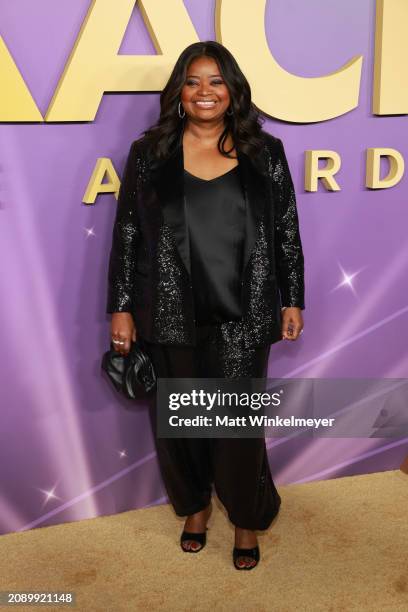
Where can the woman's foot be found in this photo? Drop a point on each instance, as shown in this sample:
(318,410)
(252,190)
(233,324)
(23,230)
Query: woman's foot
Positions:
(196,523)
(245,538)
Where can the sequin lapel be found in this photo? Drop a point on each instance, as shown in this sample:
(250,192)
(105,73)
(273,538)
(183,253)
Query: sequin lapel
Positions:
(170,191)
(255,187)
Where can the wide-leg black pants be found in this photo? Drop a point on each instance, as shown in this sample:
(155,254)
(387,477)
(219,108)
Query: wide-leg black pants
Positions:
(238,467)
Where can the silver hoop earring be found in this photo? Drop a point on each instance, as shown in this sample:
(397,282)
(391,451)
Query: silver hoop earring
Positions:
(179,111)
(230,113)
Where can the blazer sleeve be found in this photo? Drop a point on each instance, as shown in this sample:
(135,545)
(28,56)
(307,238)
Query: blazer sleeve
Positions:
(125,237)
(288,245)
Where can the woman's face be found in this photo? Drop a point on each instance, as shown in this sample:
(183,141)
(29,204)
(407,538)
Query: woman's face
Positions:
(204,95)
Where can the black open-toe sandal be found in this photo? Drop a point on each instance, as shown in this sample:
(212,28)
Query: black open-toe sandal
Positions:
(245,552)
(196,537)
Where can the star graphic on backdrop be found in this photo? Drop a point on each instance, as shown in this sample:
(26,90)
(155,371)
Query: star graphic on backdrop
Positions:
(347,280)
(122,453)
(49,495)
(89,231)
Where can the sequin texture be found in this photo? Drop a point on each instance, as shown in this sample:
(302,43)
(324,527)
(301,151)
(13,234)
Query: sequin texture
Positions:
(288,247)
(259,311)
(230,339)
(171,309)
(125,235)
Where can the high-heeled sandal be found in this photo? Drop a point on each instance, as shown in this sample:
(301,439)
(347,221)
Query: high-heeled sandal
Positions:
(201,538)
(253,553)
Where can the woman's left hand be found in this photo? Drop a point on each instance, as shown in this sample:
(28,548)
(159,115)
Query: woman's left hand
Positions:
(292,323)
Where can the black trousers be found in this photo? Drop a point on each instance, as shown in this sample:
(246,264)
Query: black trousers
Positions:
(238,467)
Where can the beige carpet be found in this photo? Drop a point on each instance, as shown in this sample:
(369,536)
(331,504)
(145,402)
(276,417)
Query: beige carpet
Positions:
(337,545)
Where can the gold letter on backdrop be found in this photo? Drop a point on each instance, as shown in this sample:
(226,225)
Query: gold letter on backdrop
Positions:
(395,174)
(240,26)
(390,95)
(96,185)
(313,172)
(16,102)
(95,66)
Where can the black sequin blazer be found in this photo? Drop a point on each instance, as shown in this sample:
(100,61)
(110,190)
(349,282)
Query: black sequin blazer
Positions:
(149,266)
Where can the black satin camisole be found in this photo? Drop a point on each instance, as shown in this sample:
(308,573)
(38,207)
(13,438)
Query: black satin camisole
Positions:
(215,215)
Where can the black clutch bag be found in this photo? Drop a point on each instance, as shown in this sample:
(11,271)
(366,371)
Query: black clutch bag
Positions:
(133,374)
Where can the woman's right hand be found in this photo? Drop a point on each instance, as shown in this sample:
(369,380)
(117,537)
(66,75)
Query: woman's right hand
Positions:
(124,330)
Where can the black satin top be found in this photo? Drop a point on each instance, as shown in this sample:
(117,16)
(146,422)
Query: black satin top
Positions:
(215,213)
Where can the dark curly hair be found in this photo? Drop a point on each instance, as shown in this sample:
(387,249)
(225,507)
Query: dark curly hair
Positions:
(244,125)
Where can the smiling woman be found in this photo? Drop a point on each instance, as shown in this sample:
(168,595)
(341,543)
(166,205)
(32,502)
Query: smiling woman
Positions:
(207,75)
(205,89)
(207,207)
(206,99)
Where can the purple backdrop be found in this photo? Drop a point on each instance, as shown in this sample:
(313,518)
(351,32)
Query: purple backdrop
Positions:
(70,448)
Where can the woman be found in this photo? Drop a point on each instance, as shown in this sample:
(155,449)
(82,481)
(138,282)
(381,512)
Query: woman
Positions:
(205,253)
